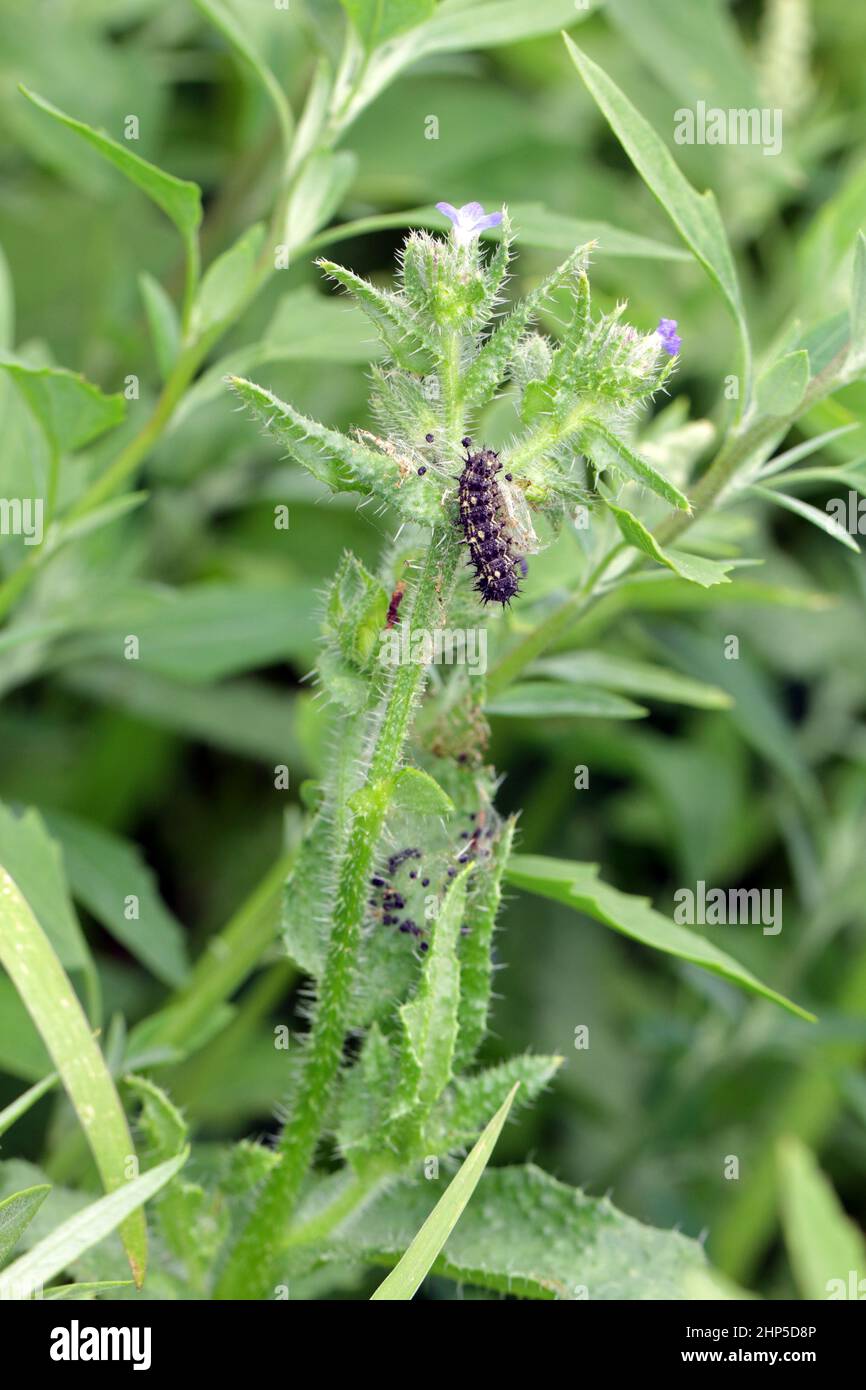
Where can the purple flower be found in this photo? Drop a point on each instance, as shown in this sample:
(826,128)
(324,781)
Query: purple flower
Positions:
(671,340)
(469,221)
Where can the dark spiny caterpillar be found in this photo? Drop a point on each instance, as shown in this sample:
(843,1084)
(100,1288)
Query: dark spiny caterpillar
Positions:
(481,520)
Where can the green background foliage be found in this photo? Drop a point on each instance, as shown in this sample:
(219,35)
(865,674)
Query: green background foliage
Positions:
(126,298)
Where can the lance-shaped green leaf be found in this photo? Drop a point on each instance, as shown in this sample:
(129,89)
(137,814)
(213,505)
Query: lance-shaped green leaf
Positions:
(33,966)
(607,450)
(579,887)
(344,464)
(85,1229)
(695,216)
(492,363)
(483,901)
(179,199)
(400,328)
(16,1213)
(462,1112)
(823,520)
(633,678)
(163,322)
(227,284)
(825,1247)
(70,410)
(413,1267)
(430,1020)
(781,387)
(526,1234)
(558,700)
(323,184)
(695,568)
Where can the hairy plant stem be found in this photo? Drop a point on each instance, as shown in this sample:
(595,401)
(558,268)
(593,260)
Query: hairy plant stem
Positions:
(248,1274)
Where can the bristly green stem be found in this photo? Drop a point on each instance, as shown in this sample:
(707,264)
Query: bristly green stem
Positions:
(248,1274)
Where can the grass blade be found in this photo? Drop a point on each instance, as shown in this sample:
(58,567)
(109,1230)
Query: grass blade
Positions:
(406,1276)
(44,987)
(85,1229)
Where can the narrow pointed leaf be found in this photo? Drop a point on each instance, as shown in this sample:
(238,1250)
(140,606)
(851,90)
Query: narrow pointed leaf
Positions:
(578,886)
(32,965)
(824,1244)
(404,1280)
(695,216)
(16,1213)
(60,1249)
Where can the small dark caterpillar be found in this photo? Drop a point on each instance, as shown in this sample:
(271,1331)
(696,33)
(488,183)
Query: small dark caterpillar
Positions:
(481,512)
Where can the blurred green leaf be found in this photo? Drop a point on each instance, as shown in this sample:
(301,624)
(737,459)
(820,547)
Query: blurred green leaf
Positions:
(110,878)
(857,313)
(555,699)
(32,858)
(695,568)
(16,1213)
(163,322)
(823,520)
(225,21)
(227,283)
(781,388)
(18,1107)
(378,20)
(824,1246)
(622,673)
(70,410)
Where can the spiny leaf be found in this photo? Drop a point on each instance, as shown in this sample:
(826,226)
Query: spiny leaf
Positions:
(401,330)
(365,1100)
(526,1234)
(475,950)
(464,1108)
(491,364)
(430,1020)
